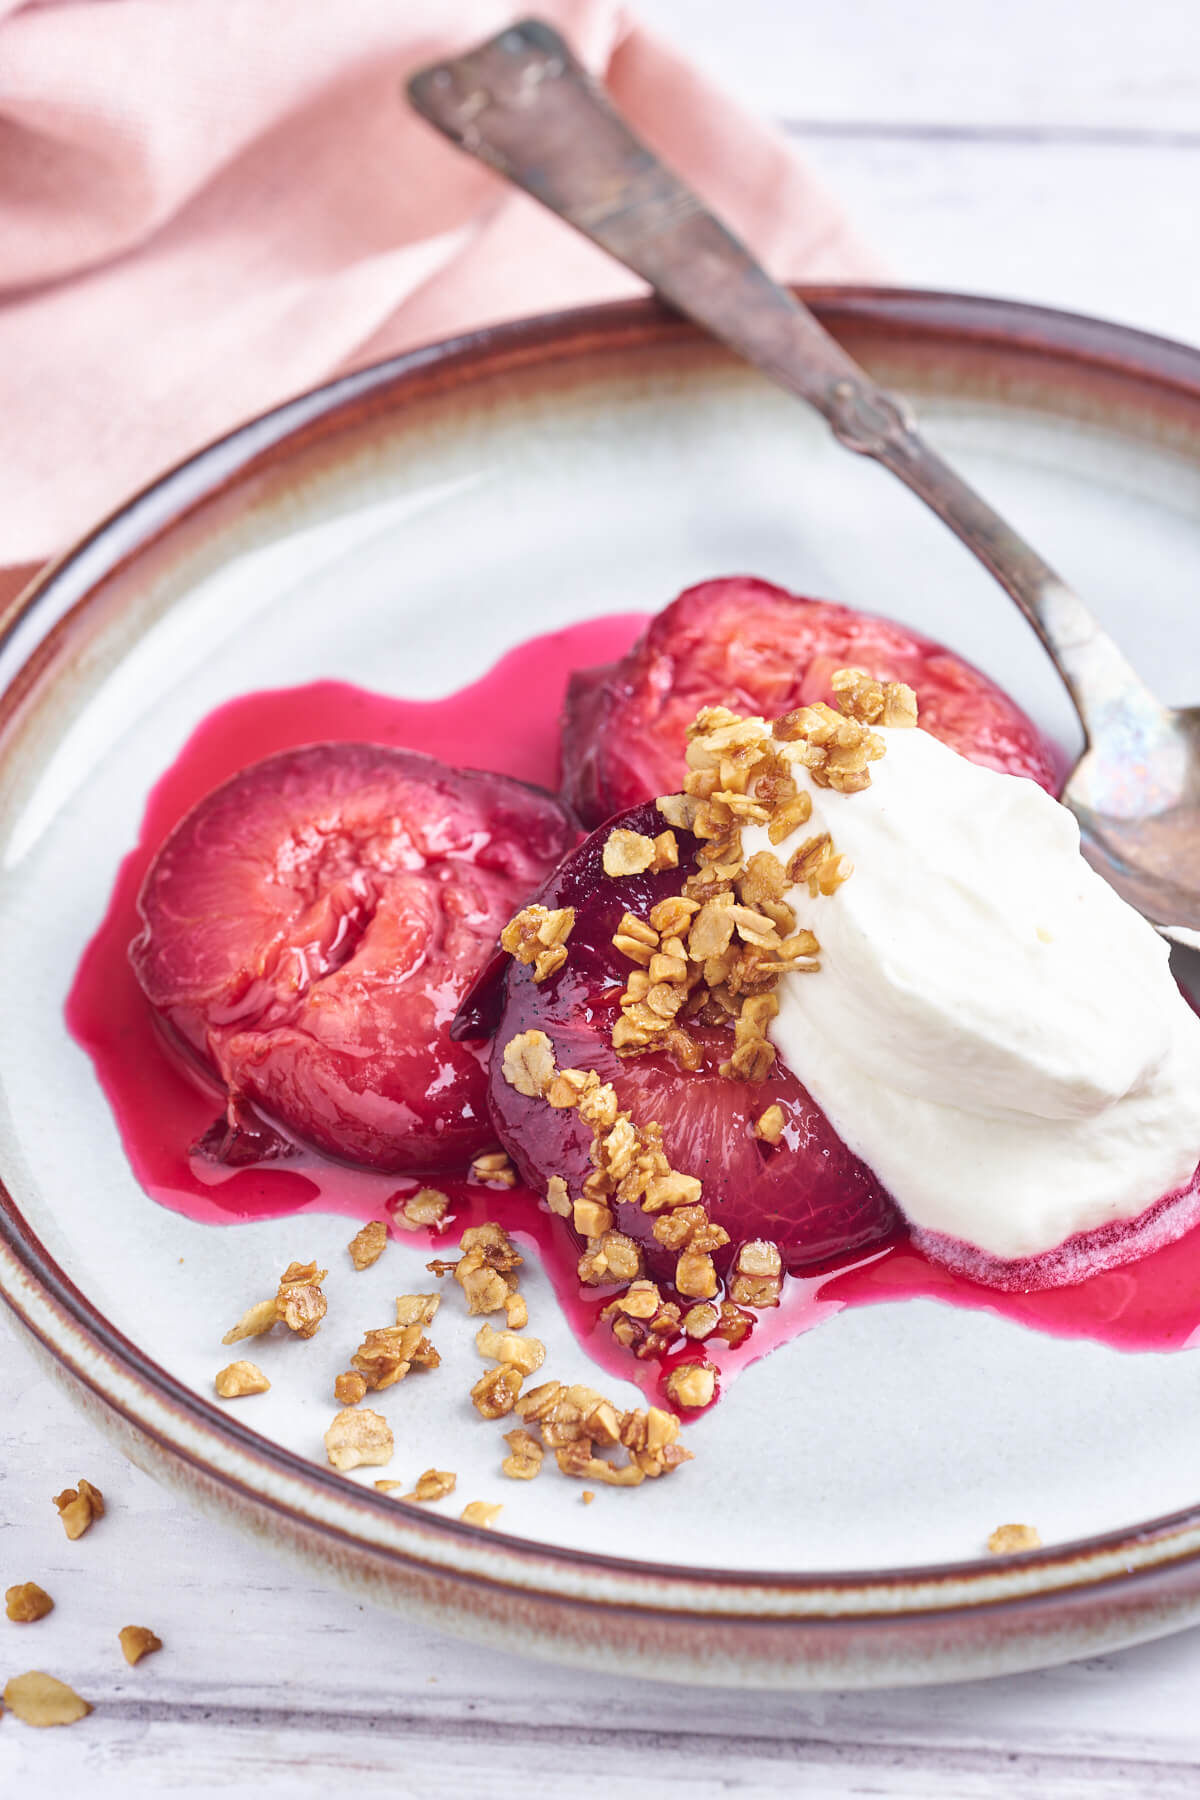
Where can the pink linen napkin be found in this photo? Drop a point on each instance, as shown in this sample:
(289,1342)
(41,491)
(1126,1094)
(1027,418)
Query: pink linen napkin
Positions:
(208,205)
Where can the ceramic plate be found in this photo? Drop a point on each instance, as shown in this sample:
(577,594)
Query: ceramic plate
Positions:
(402,529)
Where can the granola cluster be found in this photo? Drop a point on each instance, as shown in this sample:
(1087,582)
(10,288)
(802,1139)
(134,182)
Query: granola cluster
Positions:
(539,936)
(299,1304)
(486,1273)
(579,1425)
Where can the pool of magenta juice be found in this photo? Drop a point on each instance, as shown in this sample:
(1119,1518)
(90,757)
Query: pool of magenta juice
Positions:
(506,721)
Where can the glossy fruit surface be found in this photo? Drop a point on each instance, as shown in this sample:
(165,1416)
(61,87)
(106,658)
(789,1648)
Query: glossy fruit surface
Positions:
(746,644)
(310,927)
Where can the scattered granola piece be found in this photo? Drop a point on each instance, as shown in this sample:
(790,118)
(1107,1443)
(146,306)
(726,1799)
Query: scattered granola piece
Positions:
(524,1353)
(495,1394)
(539,936)
(38,1699)
(1009,1540)
(424,1210)
(368,1245)
(389,1487)
(359,1437)
(486,1270)
(79,1507)
(758,1274)
(238,1378)
(137,1641)
(525,1456)
(557,1197)
(628,853)
(480,1512)
(300,1302)
(494,1168)
(528,1063)
(349,1388)
(434,1484)
(516,1313)
(692,1385)
(587,1496)
(386,1355)
(769,1125)
(27,1602)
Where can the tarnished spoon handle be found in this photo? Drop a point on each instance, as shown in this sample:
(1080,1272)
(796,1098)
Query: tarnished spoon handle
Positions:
(525,105)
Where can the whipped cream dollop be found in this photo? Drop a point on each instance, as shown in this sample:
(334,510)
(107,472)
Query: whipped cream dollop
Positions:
(991,1029)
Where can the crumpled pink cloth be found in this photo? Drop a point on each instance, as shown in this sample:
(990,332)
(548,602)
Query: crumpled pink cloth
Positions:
(208,205)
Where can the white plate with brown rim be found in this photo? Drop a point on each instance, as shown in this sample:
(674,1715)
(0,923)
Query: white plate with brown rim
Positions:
(402,529)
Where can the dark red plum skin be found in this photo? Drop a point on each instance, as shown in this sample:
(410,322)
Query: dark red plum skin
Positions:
(749,645)
(808,1193)
(310,928)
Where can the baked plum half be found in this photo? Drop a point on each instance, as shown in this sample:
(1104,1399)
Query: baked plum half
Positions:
(753,647)
(807,1193)
(309,929)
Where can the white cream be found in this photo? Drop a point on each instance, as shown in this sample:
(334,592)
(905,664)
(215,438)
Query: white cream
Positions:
(992,1030)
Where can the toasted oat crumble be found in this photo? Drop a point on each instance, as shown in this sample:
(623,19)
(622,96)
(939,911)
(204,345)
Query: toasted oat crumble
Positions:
(528,1063)
(359,1438)
(434,1484)
(39,1699)
(539,936)
(239,1378)
(26,1603)
(495,1394)
(79,1507)
(525,1456)
(1008,1540)
(368,1245)
(481,1512)
(587,1496)
(523,1353)
(424,1210)
(138,1641)
(299,1304)
(486,1271)
(388,1353)
(633,853)
(494,1168)
(349,1388)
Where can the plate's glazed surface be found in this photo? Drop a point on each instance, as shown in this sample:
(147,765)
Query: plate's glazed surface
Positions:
(402,530)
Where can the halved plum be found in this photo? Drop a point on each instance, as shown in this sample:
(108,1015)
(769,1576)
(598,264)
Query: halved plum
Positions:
(310,928)
(746,644)
(808,1194)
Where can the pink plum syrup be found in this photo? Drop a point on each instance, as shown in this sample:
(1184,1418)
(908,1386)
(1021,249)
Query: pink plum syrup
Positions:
(508,722)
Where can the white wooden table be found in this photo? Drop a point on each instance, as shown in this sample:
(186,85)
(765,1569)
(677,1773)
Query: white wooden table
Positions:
(1041,150)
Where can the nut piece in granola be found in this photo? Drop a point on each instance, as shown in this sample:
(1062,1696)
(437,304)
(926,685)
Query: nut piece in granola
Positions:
(495,1394)
(692,1385)
(434,1484)
(525,1456)
(38,1699)
(27,1602)
(238,1378)
(368,1245)
(1009,1540)
(486,1271)
(138,1641)
(480,1512)
(79,1507)
(359,1438)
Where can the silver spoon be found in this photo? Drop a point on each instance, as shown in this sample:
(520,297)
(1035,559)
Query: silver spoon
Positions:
(523,104)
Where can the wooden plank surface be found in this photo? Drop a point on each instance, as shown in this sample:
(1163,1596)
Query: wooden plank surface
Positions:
(1040,150)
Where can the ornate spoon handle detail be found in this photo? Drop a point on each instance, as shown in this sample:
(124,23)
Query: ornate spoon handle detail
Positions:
(526,106)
